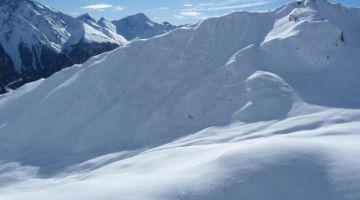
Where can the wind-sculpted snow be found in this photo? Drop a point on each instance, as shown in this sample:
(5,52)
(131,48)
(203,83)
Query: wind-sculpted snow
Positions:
(244,106)
(251,161)
(266,89)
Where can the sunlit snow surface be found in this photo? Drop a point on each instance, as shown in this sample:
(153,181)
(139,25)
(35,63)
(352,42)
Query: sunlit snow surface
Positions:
(247,106)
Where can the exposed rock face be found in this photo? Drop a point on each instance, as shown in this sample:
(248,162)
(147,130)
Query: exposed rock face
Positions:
(82,51)
(7,72)
(37,41)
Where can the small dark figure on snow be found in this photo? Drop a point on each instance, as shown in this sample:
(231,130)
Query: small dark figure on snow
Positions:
(342,38)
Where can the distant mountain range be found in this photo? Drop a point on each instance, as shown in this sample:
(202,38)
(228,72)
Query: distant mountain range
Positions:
(131,27)
(37,41)
(140,26)
(246,106)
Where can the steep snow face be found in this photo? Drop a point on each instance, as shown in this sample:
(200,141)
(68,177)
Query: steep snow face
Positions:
(320,41)
(161,86)
(103,26)
(184,81)
(140,26)
(221,110)
(33,36)
(106,24)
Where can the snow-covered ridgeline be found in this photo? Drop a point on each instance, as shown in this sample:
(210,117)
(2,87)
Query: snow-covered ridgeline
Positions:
(248,105)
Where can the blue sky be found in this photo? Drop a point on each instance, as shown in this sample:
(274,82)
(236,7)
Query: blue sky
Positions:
(174,11)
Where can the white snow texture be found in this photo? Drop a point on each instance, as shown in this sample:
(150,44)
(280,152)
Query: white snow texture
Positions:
(252,106)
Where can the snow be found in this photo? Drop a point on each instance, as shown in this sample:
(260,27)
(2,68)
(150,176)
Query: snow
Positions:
(244,106)
(34,25)
(220,163)
(92,34)
(139,26)
(266,89)
(101,30)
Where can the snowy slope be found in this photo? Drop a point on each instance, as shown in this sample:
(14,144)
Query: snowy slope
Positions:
(140,26)
(244,106)
(256,161)
(104,26)
(33,36)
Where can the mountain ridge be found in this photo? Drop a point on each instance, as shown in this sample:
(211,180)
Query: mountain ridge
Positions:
(140,26)
(53,36)
(190,65)
(235,105)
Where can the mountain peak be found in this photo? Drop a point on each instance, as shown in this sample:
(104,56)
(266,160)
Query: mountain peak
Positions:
(37,41)
(315,2)
(86,17)
(139,17)
(252,97)
(140,26)
(106,24)
(103,20)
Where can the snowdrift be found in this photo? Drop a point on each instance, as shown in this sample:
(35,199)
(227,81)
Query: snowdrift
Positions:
(248,105)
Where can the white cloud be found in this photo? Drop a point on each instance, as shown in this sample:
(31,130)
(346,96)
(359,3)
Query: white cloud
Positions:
(206,4)
(227,5)
(157,9)
(246,5)
(103,7)
(212,8)
(118,8)
(179,17)
(75,14)
(190,13)
(98,7)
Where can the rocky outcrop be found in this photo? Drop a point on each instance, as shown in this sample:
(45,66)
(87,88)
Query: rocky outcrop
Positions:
(37,41)
(7,72)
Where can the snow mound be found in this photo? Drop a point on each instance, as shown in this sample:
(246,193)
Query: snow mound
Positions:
(221,163)
(221,110)
(270,97)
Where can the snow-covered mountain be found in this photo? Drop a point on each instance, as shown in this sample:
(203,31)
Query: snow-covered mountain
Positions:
(140,26)
(105,26)
(245,106)
(37,41)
